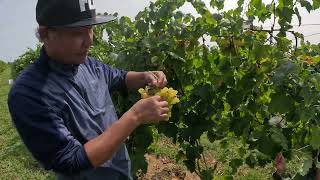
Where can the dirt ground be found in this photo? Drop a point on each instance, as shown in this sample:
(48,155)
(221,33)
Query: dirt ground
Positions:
(163,168)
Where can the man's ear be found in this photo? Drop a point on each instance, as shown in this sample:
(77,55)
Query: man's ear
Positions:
(43,33)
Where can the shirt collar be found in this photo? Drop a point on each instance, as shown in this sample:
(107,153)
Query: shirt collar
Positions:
(54,65)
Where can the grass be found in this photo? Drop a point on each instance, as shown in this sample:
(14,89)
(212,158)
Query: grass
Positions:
(16,162)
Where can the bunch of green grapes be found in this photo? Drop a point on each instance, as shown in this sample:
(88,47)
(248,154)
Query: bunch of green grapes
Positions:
(168,94)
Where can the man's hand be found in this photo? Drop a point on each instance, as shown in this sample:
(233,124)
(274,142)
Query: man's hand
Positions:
(150,110)
(155,79)
(136,80)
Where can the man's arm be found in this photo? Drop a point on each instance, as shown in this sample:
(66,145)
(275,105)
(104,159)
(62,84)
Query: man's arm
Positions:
(118,79)
(145,111)
(45,135)
(136,80)
(101,148)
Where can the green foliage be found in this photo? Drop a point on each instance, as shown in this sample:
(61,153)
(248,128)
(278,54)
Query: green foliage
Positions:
(3,66)
(24,60)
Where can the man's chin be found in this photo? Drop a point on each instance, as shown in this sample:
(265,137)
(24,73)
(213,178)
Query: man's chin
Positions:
(80,60)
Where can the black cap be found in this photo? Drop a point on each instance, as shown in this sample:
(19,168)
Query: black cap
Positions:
(69,13)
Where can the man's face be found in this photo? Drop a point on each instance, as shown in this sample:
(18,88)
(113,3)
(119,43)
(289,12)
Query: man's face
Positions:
(69,45)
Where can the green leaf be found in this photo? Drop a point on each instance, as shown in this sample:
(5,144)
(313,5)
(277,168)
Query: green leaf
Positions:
(197,63)
(209,18)
(285,68)
(251,160)
(239,125)
(208,173)
(263,159)
(138,161)
(285,3)
(234,98)
(260,51)
(286,14)
(316,4)
(280,103)
(296,10)
(306,4)
(190,165)
(219,4)
(267,146)
(307,164)
(235,164)
(279,138)
(180,155)
(258,9)
(315,137)
(256,3)
(142,26)
(240,3)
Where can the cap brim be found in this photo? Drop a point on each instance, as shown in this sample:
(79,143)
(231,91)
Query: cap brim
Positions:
(92,21)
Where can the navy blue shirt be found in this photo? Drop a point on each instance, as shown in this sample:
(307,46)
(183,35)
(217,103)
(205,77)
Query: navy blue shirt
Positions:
(57,108)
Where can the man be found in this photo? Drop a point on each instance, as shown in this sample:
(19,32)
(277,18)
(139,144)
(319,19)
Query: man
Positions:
(61,104)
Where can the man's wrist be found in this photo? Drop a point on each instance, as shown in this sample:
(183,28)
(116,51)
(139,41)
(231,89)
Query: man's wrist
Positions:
(133,117)
(145,78)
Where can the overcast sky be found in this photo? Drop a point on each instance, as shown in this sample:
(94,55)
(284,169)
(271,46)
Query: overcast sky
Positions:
(18,24)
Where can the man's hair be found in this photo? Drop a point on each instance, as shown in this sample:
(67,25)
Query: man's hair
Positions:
(37,34)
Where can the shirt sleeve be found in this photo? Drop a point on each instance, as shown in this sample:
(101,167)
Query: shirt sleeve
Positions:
(45,135)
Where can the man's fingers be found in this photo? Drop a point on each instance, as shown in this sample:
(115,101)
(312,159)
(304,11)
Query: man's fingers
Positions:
(158,79)
(165,82)
(163,103)
(165,110)
(154,78)
(164,116)
(162,79)
(153,82)
(157,97)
